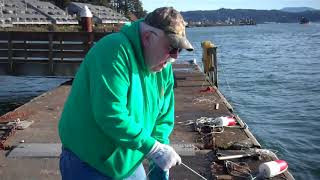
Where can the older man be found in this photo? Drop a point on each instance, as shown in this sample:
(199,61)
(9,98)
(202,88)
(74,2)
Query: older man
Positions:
(121,106)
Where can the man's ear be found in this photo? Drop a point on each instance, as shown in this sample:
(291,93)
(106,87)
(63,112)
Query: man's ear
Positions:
(146,38)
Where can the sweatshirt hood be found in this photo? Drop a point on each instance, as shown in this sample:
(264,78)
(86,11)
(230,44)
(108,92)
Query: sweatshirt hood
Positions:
(132,32)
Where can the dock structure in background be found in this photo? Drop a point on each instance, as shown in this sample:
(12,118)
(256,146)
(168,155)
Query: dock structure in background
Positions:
(209,146)
(44,53)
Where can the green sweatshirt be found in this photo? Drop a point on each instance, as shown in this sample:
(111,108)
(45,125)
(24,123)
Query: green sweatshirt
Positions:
(116,108)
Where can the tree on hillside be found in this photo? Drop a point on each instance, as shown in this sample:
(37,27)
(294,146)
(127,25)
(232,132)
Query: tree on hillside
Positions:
(103,2)
(138,9)
(128,6)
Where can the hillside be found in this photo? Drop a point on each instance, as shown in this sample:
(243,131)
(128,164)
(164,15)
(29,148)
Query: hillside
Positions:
(297,9)
(260,16)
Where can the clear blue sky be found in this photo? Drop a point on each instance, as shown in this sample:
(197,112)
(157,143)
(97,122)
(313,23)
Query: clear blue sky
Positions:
(189,5)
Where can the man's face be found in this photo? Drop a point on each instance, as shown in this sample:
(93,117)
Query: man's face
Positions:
(159,52)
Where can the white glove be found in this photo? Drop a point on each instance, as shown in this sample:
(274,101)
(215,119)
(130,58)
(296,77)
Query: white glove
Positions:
(164,156)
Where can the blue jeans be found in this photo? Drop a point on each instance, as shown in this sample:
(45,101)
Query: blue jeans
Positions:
(156,173)
(71,168)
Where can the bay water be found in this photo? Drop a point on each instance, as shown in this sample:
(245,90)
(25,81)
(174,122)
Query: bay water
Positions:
(270,73)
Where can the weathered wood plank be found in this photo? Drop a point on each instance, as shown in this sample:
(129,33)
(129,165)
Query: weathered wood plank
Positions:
(26,52)
(57,36)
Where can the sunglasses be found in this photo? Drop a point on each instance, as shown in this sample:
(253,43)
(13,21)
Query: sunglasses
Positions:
(173,50)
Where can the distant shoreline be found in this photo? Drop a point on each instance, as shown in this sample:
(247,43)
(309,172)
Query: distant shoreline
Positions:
(222,25)
(218,25)
(235,16)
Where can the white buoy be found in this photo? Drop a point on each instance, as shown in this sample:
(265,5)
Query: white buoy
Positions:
(272,168)
(217,105)
(226,121)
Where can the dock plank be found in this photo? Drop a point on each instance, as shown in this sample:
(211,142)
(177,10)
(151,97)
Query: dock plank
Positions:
(36,150)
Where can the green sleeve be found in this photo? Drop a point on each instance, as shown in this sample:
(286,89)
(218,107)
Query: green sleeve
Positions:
(109,84)
(165,121)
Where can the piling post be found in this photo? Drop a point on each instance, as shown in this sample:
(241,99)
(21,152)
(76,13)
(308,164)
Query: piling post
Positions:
(86,23)
(86,19)
(209,60)
(214,68)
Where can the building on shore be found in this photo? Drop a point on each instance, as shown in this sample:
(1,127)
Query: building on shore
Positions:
(35,12)
(54,13)
(220,22)
(304,20)
(101,14)
(247,21)
(17,12)
(32,12)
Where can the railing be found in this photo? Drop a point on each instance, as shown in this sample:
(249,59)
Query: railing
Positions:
(44,53)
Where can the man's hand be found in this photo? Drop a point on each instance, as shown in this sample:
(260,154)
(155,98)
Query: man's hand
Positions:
(164,156)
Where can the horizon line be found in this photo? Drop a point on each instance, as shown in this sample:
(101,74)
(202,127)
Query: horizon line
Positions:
(250,9)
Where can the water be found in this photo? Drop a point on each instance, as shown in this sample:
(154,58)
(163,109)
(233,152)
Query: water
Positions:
(15,91)
(271,75)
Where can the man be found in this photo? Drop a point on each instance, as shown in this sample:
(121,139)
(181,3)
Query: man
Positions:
(121,106)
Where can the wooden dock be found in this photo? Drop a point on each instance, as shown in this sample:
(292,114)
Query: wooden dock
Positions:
(44,53)
(195,99)
(200,149)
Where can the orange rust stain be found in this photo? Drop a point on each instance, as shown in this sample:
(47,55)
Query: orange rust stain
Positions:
(14,115)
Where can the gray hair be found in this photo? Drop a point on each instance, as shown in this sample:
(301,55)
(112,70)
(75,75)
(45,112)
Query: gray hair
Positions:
(147,28)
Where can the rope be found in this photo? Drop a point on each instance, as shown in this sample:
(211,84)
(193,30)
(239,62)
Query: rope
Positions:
(184,166)
(226,79)
(212,124)
(238,169)
(193,171)
(150,171)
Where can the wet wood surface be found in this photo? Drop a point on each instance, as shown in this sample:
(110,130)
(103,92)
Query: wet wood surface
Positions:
(194,99)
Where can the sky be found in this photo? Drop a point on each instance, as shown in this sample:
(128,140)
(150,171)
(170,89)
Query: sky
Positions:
(189,5)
